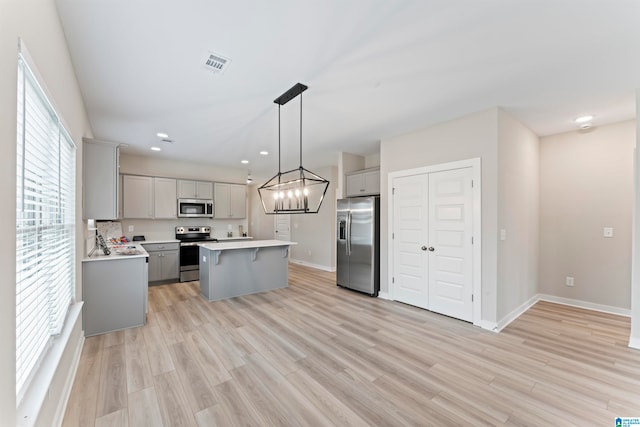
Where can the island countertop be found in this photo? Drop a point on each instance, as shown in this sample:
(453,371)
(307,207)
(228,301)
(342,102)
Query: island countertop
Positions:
(245,244)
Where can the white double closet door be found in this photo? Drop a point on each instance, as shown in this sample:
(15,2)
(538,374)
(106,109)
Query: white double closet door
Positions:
(432,242)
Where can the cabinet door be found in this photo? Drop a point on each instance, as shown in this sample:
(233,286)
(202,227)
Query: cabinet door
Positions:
(204,190)
(155,266)
(363,183)
(221,200)
(355,185)
(100,180)
(186,189)
(372,182)
(137,196)
(170,265)
(165,198)
(237,200)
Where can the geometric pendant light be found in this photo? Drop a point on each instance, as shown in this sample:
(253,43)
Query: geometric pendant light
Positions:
(298,191)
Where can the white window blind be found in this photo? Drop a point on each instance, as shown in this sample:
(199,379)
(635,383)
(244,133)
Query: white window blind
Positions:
(45,226)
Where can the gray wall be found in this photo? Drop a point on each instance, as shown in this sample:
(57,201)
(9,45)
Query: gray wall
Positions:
(635,275)
(37,23)
(315,234)
(509,157)
(472,136)
(518,202)
(587,184)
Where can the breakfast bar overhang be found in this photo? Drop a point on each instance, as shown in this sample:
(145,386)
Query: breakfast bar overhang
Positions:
(231,269)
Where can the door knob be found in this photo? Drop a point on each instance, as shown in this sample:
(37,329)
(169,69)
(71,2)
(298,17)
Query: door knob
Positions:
(424,248)
(430,248)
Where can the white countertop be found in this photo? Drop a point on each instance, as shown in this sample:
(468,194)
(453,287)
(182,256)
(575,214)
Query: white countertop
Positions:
(221,246)
(117,252)
(222,239)
(151,242)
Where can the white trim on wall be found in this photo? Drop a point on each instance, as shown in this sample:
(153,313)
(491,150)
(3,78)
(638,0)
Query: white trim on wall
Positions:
(476,168)
(312,265)
(505,321)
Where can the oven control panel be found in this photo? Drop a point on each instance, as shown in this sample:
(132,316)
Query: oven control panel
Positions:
(189,230)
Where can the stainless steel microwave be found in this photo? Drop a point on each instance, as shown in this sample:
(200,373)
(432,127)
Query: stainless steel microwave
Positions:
(195,208)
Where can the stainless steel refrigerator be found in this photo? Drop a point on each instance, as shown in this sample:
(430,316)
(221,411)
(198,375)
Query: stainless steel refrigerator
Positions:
(358,244)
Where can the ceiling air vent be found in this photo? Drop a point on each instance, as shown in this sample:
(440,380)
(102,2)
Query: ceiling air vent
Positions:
(216,63)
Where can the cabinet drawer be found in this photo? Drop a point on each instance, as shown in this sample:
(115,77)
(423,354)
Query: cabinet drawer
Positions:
(154,247)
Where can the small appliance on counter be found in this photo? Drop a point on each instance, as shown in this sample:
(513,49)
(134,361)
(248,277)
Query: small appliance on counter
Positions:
(138,238)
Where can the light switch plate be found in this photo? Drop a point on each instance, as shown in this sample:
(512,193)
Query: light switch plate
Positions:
(503,234)
(607,232)
(131,228)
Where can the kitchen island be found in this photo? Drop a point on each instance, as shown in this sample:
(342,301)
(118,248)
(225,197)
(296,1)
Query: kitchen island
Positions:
(231,269)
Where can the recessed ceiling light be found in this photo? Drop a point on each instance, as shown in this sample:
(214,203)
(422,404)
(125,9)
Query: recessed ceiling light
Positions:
(162,135)
(244,162)
(584,119)
(156,149)
(264,153)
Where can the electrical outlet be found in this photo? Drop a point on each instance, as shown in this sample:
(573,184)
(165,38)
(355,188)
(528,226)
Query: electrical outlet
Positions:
(131,228)
(569,281)
(309,252)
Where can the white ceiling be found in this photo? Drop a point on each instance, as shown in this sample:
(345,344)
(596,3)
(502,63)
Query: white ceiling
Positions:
(375,69)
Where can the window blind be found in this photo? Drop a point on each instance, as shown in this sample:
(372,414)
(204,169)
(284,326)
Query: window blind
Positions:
(45,225)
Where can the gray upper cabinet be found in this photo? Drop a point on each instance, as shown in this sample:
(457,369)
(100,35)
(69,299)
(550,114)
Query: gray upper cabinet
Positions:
(188,189)
(230,201)
(165,199)
(100,179)
(137,196)
(363,183)
(149,197)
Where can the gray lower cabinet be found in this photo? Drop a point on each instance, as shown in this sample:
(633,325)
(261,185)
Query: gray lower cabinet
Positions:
(115,294)
(164,261)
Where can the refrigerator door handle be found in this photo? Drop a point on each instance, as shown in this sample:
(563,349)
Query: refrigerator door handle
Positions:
(348,233)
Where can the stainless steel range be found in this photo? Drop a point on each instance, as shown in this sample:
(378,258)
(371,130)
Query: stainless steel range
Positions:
(189,260)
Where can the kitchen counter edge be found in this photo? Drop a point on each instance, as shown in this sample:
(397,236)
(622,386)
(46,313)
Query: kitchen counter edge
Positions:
(221,246)
(99,256)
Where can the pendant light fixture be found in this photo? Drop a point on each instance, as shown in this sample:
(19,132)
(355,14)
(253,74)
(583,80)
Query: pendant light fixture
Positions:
(298,191)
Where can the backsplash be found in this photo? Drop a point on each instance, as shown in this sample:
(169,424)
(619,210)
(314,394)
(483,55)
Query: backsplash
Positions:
(162,229)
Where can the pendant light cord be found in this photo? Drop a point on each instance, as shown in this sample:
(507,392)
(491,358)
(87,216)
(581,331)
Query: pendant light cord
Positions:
(279,168)
(300,130)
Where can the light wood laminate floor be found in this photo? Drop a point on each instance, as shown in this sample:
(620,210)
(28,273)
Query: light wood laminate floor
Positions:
(314,354)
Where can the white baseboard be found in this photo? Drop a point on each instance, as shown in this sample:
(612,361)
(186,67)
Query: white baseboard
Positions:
(634,342)
(487,325)
(586,305)
(384,295)
(312,265)
(505,321)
